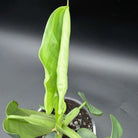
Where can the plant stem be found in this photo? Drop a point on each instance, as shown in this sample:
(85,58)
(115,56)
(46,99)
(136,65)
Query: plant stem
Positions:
(82,105)
(67,2)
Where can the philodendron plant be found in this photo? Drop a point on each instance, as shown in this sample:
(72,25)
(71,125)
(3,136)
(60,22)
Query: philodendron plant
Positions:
(54,53)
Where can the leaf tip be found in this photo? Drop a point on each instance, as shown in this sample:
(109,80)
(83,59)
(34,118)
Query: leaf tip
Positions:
(116,126)
(11,107)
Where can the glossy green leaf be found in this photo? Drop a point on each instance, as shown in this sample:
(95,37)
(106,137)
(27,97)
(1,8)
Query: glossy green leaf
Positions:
(26,123)
(53,54)
(92,109)
(83,132)
(117,130)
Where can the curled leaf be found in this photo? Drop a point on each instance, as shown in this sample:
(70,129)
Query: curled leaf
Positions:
(53,54)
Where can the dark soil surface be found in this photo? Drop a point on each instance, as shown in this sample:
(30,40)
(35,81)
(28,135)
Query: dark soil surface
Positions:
(83,120)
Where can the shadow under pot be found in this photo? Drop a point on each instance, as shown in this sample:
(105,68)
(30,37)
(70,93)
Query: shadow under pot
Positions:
(82,120)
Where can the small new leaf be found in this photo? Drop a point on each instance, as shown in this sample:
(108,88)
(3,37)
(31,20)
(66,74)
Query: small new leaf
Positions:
(92,109)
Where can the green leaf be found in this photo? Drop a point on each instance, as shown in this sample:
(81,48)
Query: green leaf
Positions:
(41,120)
(67,131)
(62,67)
(117,130)
(83,132)
(53,54)
(23,128)
(92,109)
(12,109)
(27,123)
(72,114)
(82,96)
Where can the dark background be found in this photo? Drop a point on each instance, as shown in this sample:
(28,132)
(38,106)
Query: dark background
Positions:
(102,22)
(103,57)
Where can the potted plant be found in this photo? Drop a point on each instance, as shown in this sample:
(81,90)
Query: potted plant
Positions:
(57,119)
